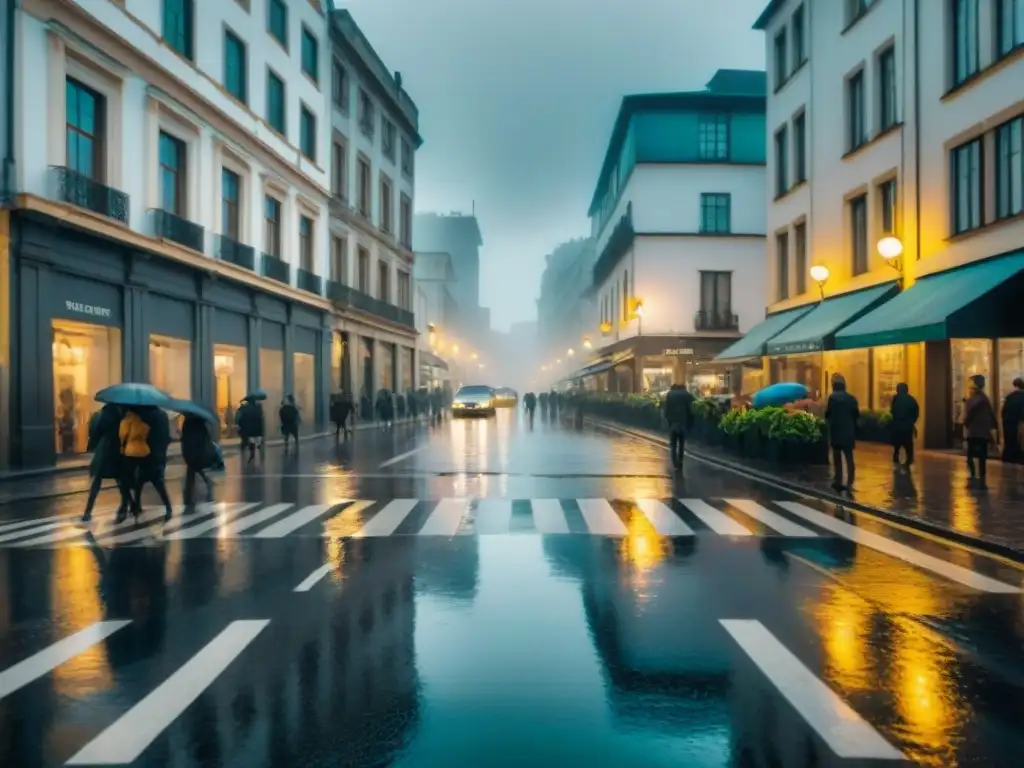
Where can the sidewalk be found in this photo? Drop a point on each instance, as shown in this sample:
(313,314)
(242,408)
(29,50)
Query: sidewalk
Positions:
(933,496)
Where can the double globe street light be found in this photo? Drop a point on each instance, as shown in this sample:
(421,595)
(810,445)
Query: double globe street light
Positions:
(889,248)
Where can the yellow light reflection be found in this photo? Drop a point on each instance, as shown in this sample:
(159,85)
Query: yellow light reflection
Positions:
(844,623)
(926,696)
(74,594)
(963,510)
(642,547)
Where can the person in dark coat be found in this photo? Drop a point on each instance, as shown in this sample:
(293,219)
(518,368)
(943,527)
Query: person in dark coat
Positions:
(530,403)
(679,415)
(250,426)
(979,427)
(342,407)
(152,468)
(905,413)
(199,454)
(1013,420)
(385,408)
(105,446)
(437,405)
(841,415)
(288,415)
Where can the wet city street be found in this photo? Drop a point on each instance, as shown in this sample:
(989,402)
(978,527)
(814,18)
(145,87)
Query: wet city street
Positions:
(496,592)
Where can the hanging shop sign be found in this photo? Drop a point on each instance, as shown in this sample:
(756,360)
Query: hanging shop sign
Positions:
(678,352)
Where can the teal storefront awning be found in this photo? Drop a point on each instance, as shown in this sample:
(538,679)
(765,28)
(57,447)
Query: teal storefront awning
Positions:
(816,330)
(753,343)
(940,306)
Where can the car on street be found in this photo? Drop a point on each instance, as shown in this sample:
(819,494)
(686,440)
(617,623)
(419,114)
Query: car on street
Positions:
(506,397)
(474,400)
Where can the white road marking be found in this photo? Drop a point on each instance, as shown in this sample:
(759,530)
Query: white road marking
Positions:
(600,517)
(665,521)
(548,516)
(296,520)
(846,733)
(79,531)
(38,521)
(446,518)
(161,528)
(129,735)
(39,664)
(239,524)
(493,516)
(221,516)
(386,522)
(314,578)
(900,551)
(38,529)
(773,520)
(401,457)
(715,519)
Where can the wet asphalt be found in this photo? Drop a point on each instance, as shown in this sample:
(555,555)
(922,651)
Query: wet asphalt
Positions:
(499,593)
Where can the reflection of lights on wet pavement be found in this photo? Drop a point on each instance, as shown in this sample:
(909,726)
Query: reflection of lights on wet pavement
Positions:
(926,696)
(844,621)
(75,596)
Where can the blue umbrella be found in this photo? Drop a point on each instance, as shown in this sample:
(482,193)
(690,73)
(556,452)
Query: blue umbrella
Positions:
(131,393)
(189,408)
(780,394)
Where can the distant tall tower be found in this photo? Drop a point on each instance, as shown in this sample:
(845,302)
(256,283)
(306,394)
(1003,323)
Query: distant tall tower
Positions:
(458,235)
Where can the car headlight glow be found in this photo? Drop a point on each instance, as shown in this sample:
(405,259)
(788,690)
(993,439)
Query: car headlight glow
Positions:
(457,404)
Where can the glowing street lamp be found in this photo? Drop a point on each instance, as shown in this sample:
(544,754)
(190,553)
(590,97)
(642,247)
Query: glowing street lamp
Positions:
(558,361)
(890,248)
(474,356)
(571,352)
(819,274)
(587,344)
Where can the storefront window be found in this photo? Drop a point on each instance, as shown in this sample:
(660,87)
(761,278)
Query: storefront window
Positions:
(272,382)
(86,358)
(802,369)
(170,369)
(337,355)
(365,367)
(852,364)
(407,369)
(970,357)
(657,373)
(890,370)
(231,370)
(1011,366)
(753,380)
(305,387)
(387,366)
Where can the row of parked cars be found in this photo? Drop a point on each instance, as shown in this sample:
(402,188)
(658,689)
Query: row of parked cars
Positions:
(482,400)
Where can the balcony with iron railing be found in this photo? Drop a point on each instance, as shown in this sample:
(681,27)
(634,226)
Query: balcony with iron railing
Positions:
(234,252)
(309,281)
(275,269)
(75,188)
(715,320)
(345,297)
(181,231)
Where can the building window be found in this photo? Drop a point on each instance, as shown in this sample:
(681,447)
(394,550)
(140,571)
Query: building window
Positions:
(799,39)
(339,170)
(307,133)
(364,270)
(967,187)
(781,162)
(386,203)
(383,281)
(306,243)
(407,156)
(277,21)
(966,40)
(857,125)
(1010,168)
(365,114)
(235,68)
(713,137)
(339,85)
(275,103)
(172,174)
(339,252)
(887,203)
(800,148)
(1009,26)
(85,115)
(272,226)
(781,66)
(715,213)
(859,234)
(856,8)
(178,26)
(800,256)
(230,197)
(404,290)
(365,191)
(887,88)
(405,222)
(310,55)
(782,265)
(716,297)
(387,138)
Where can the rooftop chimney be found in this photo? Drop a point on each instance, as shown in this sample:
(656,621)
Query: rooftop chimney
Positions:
(398,79)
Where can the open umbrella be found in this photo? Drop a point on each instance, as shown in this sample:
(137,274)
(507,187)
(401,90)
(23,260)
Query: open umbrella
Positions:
(132,393)
(189,408)
(780,394)
(256,394)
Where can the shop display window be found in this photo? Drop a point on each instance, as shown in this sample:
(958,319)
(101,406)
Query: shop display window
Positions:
(387,366)
(272,382)
(970,357)
(232,376)
(86,359)
(852,364)
(802,369)
(753,380)
(170,369)
(1011,366)
(407,368)
(305,387)
(365,367)
(337,356)
(890,369)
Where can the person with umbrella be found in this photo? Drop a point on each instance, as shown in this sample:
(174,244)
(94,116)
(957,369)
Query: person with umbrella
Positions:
(288,414)
(250,422)
(197,449)
(342,407)
(106,460)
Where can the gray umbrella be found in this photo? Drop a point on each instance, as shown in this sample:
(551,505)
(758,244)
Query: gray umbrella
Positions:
(188,408)
(131,393)
(256,394)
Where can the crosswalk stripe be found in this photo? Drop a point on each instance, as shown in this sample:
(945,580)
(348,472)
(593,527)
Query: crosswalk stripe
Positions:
(446,518)
(900,551)
(838,725)
(240,524)
(715,519)
(219,517)
(38,521)
(78,531)
(385,522)
(28,532)
(548,516)
(161,528)
(773,520)
(493,516)
(601,518)
(129,735)
(37,665)
(665,521)
(296,520)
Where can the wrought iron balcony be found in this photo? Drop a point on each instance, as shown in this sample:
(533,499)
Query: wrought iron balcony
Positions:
(276,269)
(181,231)
(235,252)
(311,282)
(715,320)
(78,189)
(345,297)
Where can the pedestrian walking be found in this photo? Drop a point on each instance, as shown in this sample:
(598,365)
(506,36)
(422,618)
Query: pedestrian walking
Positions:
(678,411)
(288,415)
(385,408)
(145,433)
(199,454)
(1013,424)
(980,427)
(250,426)
(841,415)
(530,403)
(342,407)
(105,445)
(905,413)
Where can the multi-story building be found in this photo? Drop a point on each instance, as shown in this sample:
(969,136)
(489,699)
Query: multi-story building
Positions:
(436,309)
(895,201)
(374,138)
(564,317)
(679,228)
(7,179)
(458,234)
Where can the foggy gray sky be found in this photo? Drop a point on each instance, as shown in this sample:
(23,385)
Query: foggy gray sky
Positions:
(517,99)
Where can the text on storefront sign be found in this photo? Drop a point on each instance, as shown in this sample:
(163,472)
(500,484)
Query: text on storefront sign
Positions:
(87,309)
(678,352)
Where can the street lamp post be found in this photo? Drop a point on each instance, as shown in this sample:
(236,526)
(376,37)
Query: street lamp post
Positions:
(639,312)
(820,274)
(890,248)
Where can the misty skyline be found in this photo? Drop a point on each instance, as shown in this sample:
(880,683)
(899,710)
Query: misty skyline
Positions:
(517,103)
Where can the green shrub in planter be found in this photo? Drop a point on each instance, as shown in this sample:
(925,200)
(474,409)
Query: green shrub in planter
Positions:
(875,427)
